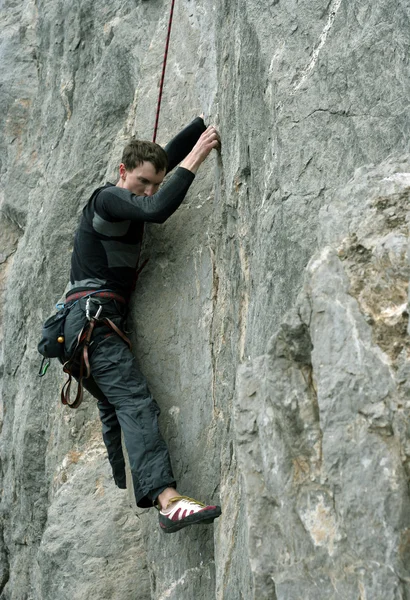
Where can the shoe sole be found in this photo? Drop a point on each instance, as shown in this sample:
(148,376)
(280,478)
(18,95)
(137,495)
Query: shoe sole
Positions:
(195,519)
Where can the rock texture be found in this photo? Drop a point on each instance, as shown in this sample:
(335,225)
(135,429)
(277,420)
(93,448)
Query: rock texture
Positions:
(271,320)
(322,418)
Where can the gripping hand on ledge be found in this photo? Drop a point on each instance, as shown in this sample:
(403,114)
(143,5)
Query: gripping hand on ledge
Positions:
(209,139)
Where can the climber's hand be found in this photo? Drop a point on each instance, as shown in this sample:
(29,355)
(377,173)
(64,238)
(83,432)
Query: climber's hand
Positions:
(209,140)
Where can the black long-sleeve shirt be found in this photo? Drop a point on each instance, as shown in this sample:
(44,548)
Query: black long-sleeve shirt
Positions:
(108,240)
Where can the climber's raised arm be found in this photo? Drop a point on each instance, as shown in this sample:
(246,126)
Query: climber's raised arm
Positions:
(137,196)
(181,145)
(208,141)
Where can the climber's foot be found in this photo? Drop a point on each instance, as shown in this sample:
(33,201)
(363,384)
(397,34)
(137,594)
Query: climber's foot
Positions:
(182,511)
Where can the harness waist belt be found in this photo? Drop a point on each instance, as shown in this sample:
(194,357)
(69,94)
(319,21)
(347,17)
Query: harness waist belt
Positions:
(111,295)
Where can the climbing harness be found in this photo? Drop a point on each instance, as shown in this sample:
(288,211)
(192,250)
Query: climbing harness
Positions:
(164,65)
(52,341)
(51,344)
(78,365)
(97,293)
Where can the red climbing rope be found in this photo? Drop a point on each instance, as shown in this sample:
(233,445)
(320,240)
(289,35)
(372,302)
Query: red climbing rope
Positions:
(154,137)
(161,86)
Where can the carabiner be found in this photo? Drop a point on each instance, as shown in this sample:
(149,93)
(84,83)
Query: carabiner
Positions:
(45,363)
(88,310)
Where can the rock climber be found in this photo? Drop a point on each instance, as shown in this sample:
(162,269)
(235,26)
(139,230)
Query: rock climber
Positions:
(103,266)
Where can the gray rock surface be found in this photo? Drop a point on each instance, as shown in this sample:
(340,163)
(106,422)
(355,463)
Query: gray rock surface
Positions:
(322,418)
(298,228)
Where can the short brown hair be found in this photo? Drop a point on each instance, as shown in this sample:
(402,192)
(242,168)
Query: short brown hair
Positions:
(138,151)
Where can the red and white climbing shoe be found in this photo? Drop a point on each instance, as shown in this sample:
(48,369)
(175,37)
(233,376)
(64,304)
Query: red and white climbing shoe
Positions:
(182,511)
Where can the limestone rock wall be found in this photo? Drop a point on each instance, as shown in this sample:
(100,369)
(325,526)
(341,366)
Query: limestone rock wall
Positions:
(271,319)
(322,418)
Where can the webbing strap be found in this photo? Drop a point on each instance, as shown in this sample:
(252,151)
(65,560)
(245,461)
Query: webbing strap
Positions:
(83,343)
(67,368)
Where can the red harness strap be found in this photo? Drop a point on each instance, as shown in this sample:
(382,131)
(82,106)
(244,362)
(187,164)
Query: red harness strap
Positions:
(95,294)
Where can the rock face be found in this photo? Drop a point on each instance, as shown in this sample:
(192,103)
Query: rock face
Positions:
(271,320)
(322,418)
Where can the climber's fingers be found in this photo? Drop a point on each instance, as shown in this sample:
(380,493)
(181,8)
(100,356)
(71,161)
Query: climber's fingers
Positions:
(211,138)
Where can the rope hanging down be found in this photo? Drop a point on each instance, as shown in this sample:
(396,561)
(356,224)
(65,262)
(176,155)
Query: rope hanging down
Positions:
(161,86)
(154,138)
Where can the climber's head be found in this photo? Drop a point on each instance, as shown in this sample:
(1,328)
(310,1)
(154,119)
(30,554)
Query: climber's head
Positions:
(143,167)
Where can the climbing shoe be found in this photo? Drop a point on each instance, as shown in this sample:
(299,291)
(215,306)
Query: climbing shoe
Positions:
(182,511)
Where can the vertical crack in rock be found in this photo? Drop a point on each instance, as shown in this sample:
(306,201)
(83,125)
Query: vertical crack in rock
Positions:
(212,333)
(333,10)
(9,237)
(244,300)
(4,558)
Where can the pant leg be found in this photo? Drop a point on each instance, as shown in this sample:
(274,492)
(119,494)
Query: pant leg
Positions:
(116,374)
(111,431)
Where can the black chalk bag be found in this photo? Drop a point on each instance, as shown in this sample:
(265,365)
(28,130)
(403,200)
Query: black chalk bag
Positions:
(51,344)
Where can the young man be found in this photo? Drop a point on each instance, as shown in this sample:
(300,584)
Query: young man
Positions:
(103,267)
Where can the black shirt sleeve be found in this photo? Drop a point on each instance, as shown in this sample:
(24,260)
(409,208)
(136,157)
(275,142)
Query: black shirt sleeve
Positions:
(117,203)
(182,144)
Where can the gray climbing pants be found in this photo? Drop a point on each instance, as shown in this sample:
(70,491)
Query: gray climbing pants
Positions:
(125,405)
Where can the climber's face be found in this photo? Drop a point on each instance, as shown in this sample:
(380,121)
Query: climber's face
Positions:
(141,181)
